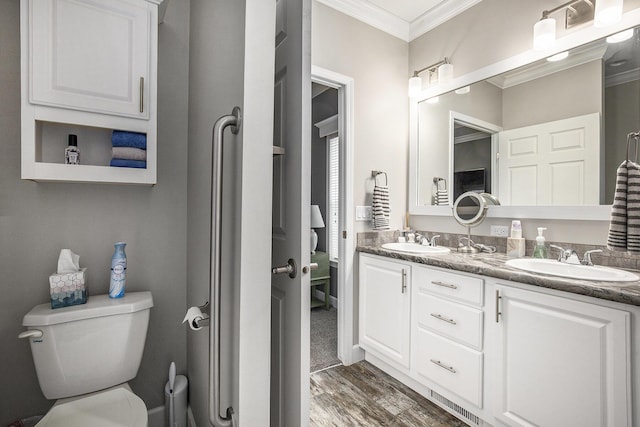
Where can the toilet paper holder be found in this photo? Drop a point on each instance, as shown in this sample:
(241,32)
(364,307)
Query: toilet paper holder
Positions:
(198,317)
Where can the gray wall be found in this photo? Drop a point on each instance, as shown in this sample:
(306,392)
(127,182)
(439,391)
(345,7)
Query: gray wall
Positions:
(38,219)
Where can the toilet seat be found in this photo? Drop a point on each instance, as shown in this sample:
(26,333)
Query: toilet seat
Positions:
(113,407)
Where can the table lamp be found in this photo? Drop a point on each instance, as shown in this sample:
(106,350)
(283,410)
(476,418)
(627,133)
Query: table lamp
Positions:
(316,222)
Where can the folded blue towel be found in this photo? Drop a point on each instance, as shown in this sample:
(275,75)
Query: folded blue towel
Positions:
(126,163)
(120,138)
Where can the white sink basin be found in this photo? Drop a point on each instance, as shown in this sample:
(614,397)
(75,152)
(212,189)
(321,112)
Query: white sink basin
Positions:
(572,271)
(415,248)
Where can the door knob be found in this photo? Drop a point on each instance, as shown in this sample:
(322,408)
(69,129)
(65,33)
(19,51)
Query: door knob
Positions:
(290,268)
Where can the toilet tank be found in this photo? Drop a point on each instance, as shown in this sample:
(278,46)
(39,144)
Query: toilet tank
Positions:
(89,347)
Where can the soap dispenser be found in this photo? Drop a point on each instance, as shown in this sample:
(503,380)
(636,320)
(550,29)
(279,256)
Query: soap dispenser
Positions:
(540,251)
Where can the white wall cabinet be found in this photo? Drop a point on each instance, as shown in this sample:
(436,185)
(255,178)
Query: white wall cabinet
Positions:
(560,362)
(522,356)
(385,308)
(87,68)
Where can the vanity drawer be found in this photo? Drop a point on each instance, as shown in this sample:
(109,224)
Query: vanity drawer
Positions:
(457,286)
(453,366)
(458,322)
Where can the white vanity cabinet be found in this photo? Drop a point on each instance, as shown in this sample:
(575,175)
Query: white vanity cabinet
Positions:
(447,323)
(385,308)
(87,68)
(501,353)
(560,362)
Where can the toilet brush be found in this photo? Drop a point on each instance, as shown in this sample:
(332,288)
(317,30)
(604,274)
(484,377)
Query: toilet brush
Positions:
(172,379)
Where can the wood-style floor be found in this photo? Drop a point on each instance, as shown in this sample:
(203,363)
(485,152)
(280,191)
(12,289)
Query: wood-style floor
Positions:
(362,395)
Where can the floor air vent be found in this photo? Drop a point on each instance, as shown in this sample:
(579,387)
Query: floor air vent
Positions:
(469,416)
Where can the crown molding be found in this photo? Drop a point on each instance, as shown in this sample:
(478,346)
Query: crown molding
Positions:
(371,15)
(621,78)
(438,15)
(379,18)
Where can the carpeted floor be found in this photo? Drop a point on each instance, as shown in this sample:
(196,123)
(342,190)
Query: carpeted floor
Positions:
(324,338)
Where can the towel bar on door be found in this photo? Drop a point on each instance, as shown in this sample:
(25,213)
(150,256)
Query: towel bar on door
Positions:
(234,120)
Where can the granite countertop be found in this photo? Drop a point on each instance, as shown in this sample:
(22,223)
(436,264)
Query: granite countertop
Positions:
(493,265)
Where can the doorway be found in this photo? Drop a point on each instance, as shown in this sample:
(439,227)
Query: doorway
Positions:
(348,351)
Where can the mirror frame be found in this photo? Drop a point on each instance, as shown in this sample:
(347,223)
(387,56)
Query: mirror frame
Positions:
(588,212)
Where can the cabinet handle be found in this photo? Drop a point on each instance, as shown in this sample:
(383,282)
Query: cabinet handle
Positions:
(404,280)
(445,319)
(444,285)
(142,94)
(498,313)
(443,366)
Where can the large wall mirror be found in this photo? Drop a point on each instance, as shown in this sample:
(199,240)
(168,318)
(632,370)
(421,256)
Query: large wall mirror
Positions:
(544,135)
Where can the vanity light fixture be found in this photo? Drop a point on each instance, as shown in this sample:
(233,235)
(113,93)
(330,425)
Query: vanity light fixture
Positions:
(445,74)
(621,36)
(607,12)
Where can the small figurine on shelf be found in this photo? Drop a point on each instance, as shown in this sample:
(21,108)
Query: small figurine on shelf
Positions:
(72,153)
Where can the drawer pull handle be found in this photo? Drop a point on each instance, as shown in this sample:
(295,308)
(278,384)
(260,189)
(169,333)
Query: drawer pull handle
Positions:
(142,94)
(404,281)
(443,366)
(444,319)
(444,285)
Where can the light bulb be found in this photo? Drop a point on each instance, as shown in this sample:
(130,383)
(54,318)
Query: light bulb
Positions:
(415,86)
(544,34)
(621,36)
(607,12)
(445,73)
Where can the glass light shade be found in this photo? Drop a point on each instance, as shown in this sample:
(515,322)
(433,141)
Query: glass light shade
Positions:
(558,56)
(415,86)
(463,90)
(621,36)
(445,73)
(607,12)
(544,34)
(316,217)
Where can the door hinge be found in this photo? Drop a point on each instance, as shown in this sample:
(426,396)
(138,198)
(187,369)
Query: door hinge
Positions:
(344,234)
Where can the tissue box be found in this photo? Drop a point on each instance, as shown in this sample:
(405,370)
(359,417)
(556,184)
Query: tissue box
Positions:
(68,288)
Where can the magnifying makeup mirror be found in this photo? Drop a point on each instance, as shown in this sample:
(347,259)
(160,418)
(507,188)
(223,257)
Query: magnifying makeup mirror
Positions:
(469,210)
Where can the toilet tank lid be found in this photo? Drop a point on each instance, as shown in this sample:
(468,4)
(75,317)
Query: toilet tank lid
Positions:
(96,306)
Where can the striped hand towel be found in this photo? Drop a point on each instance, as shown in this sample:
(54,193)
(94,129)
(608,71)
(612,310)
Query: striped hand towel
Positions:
(624,227)
(381,207)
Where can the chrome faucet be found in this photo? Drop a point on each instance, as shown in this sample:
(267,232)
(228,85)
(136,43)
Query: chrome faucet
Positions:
(420,239)
(432,242)
(567,255)
(586,259)
(571,257)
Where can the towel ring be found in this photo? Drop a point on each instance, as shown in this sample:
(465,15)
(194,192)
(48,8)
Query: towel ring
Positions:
(378,173)
(636,137)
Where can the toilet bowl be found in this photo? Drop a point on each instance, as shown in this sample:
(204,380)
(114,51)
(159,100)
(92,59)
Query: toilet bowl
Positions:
(85,354)
(116,406)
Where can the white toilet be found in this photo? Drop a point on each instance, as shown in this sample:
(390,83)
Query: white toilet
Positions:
(84,356)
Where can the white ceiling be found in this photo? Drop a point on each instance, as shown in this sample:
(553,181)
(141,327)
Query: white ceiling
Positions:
(405,19)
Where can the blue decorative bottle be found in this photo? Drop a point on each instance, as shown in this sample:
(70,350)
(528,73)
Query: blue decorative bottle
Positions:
(118,271)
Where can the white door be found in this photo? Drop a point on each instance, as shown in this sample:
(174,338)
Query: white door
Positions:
(560,362)
(555,163)
(291,216)
(92,56)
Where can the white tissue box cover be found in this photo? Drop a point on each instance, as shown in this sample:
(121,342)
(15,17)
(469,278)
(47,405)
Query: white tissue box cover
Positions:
(67,282)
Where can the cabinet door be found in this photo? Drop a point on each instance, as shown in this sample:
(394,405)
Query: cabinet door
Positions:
(91,55)
(561,362)
(385,309)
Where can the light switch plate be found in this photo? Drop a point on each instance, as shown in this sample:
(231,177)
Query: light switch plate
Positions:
(364,213)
